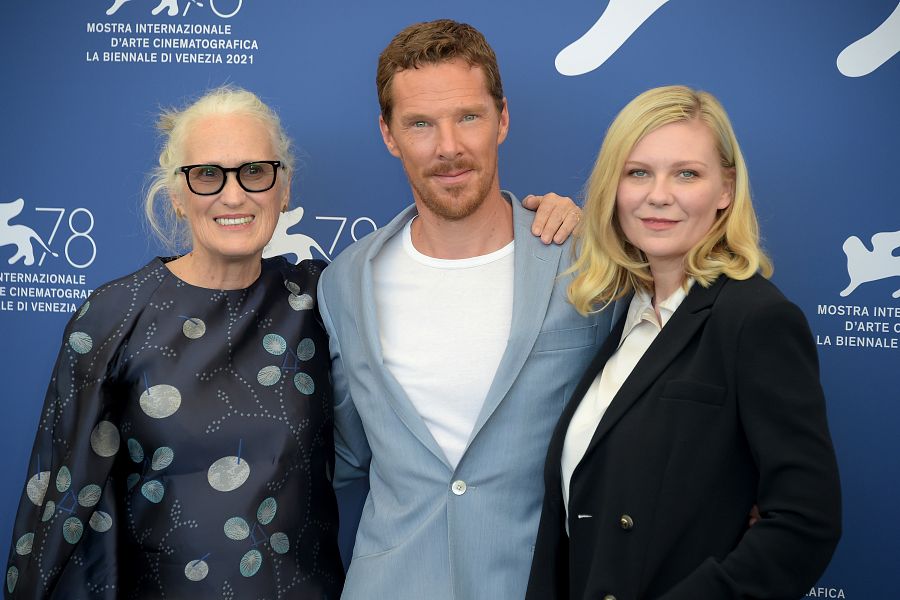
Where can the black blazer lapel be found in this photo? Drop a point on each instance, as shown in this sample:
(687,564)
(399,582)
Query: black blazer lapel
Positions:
(678,332)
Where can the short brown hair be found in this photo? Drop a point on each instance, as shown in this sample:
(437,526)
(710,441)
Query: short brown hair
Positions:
(435,42)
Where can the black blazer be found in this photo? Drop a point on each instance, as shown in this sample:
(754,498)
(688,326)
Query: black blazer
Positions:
(722,412)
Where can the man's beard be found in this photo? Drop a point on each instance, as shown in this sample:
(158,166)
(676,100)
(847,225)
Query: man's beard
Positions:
(458,207)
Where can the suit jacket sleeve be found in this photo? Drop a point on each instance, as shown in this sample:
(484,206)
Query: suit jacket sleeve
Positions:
(352,452)
(782,409)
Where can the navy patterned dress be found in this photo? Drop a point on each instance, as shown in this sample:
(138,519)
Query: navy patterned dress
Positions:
(185,448)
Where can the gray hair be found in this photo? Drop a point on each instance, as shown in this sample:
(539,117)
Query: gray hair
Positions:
(174,125)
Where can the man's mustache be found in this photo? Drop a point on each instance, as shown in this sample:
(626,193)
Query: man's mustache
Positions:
(452,167)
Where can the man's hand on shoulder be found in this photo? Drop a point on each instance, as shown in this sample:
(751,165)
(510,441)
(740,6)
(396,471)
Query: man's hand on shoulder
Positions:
(555,216)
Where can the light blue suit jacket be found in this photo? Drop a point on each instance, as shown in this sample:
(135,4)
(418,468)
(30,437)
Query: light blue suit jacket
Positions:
(427,530)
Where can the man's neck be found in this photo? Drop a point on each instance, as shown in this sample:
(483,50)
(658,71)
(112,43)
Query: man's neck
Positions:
(488,229)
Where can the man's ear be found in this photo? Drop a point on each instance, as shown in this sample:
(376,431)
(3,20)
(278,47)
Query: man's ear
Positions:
(504,123)
(388,138)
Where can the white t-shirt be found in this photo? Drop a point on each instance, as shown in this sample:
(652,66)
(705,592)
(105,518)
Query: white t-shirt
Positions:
(443,326)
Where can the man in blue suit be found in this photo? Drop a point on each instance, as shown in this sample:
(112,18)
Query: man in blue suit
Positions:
(454,348)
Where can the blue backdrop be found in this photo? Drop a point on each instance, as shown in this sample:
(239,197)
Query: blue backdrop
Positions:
(810,85)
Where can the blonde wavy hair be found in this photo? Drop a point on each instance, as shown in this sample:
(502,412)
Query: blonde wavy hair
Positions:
(174,125)
(607,266)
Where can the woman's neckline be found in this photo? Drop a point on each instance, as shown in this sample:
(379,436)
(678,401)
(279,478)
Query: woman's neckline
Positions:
(165,260)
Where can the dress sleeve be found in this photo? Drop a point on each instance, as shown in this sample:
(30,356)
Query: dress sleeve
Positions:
(66,500)
(352,452)
(782,409)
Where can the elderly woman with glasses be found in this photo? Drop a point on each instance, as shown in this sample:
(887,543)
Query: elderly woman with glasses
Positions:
(185,448)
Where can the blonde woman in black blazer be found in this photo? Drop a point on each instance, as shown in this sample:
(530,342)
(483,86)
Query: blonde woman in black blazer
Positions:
(710,402)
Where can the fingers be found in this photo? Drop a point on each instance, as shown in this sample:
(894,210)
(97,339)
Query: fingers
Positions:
(569,222)
(754,516)
(556,217)
(542,213)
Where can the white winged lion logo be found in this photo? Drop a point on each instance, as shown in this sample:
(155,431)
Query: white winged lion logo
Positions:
(20,236)
(171,6)
(881,262)
(284,243)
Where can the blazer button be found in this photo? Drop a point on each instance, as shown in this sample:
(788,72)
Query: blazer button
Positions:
(626,523)
(458,487)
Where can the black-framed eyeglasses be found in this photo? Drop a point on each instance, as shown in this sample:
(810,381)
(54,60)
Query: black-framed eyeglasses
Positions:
(256,176)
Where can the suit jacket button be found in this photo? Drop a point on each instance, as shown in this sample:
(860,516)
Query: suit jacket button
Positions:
(626,523)
(458,487)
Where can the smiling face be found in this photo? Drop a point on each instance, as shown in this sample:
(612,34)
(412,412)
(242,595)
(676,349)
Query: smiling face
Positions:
(670,190)
(232,226)
(445,128)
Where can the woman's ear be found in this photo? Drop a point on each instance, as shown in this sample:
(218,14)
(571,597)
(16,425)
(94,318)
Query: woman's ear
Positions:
(176,206)
(286,194)
(727,189)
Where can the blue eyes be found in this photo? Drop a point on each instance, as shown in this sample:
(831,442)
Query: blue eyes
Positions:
(685,174)
(422,124)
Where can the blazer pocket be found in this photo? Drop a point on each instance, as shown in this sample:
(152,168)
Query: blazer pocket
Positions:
(373,554)
(564,339)
(694,391)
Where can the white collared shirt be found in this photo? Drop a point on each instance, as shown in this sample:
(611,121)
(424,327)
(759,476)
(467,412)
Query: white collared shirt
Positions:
(641,328)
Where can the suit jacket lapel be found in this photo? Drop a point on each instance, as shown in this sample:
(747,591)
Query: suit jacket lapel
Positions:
(554,452)
(535,269)
(367,327)
(678,332)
